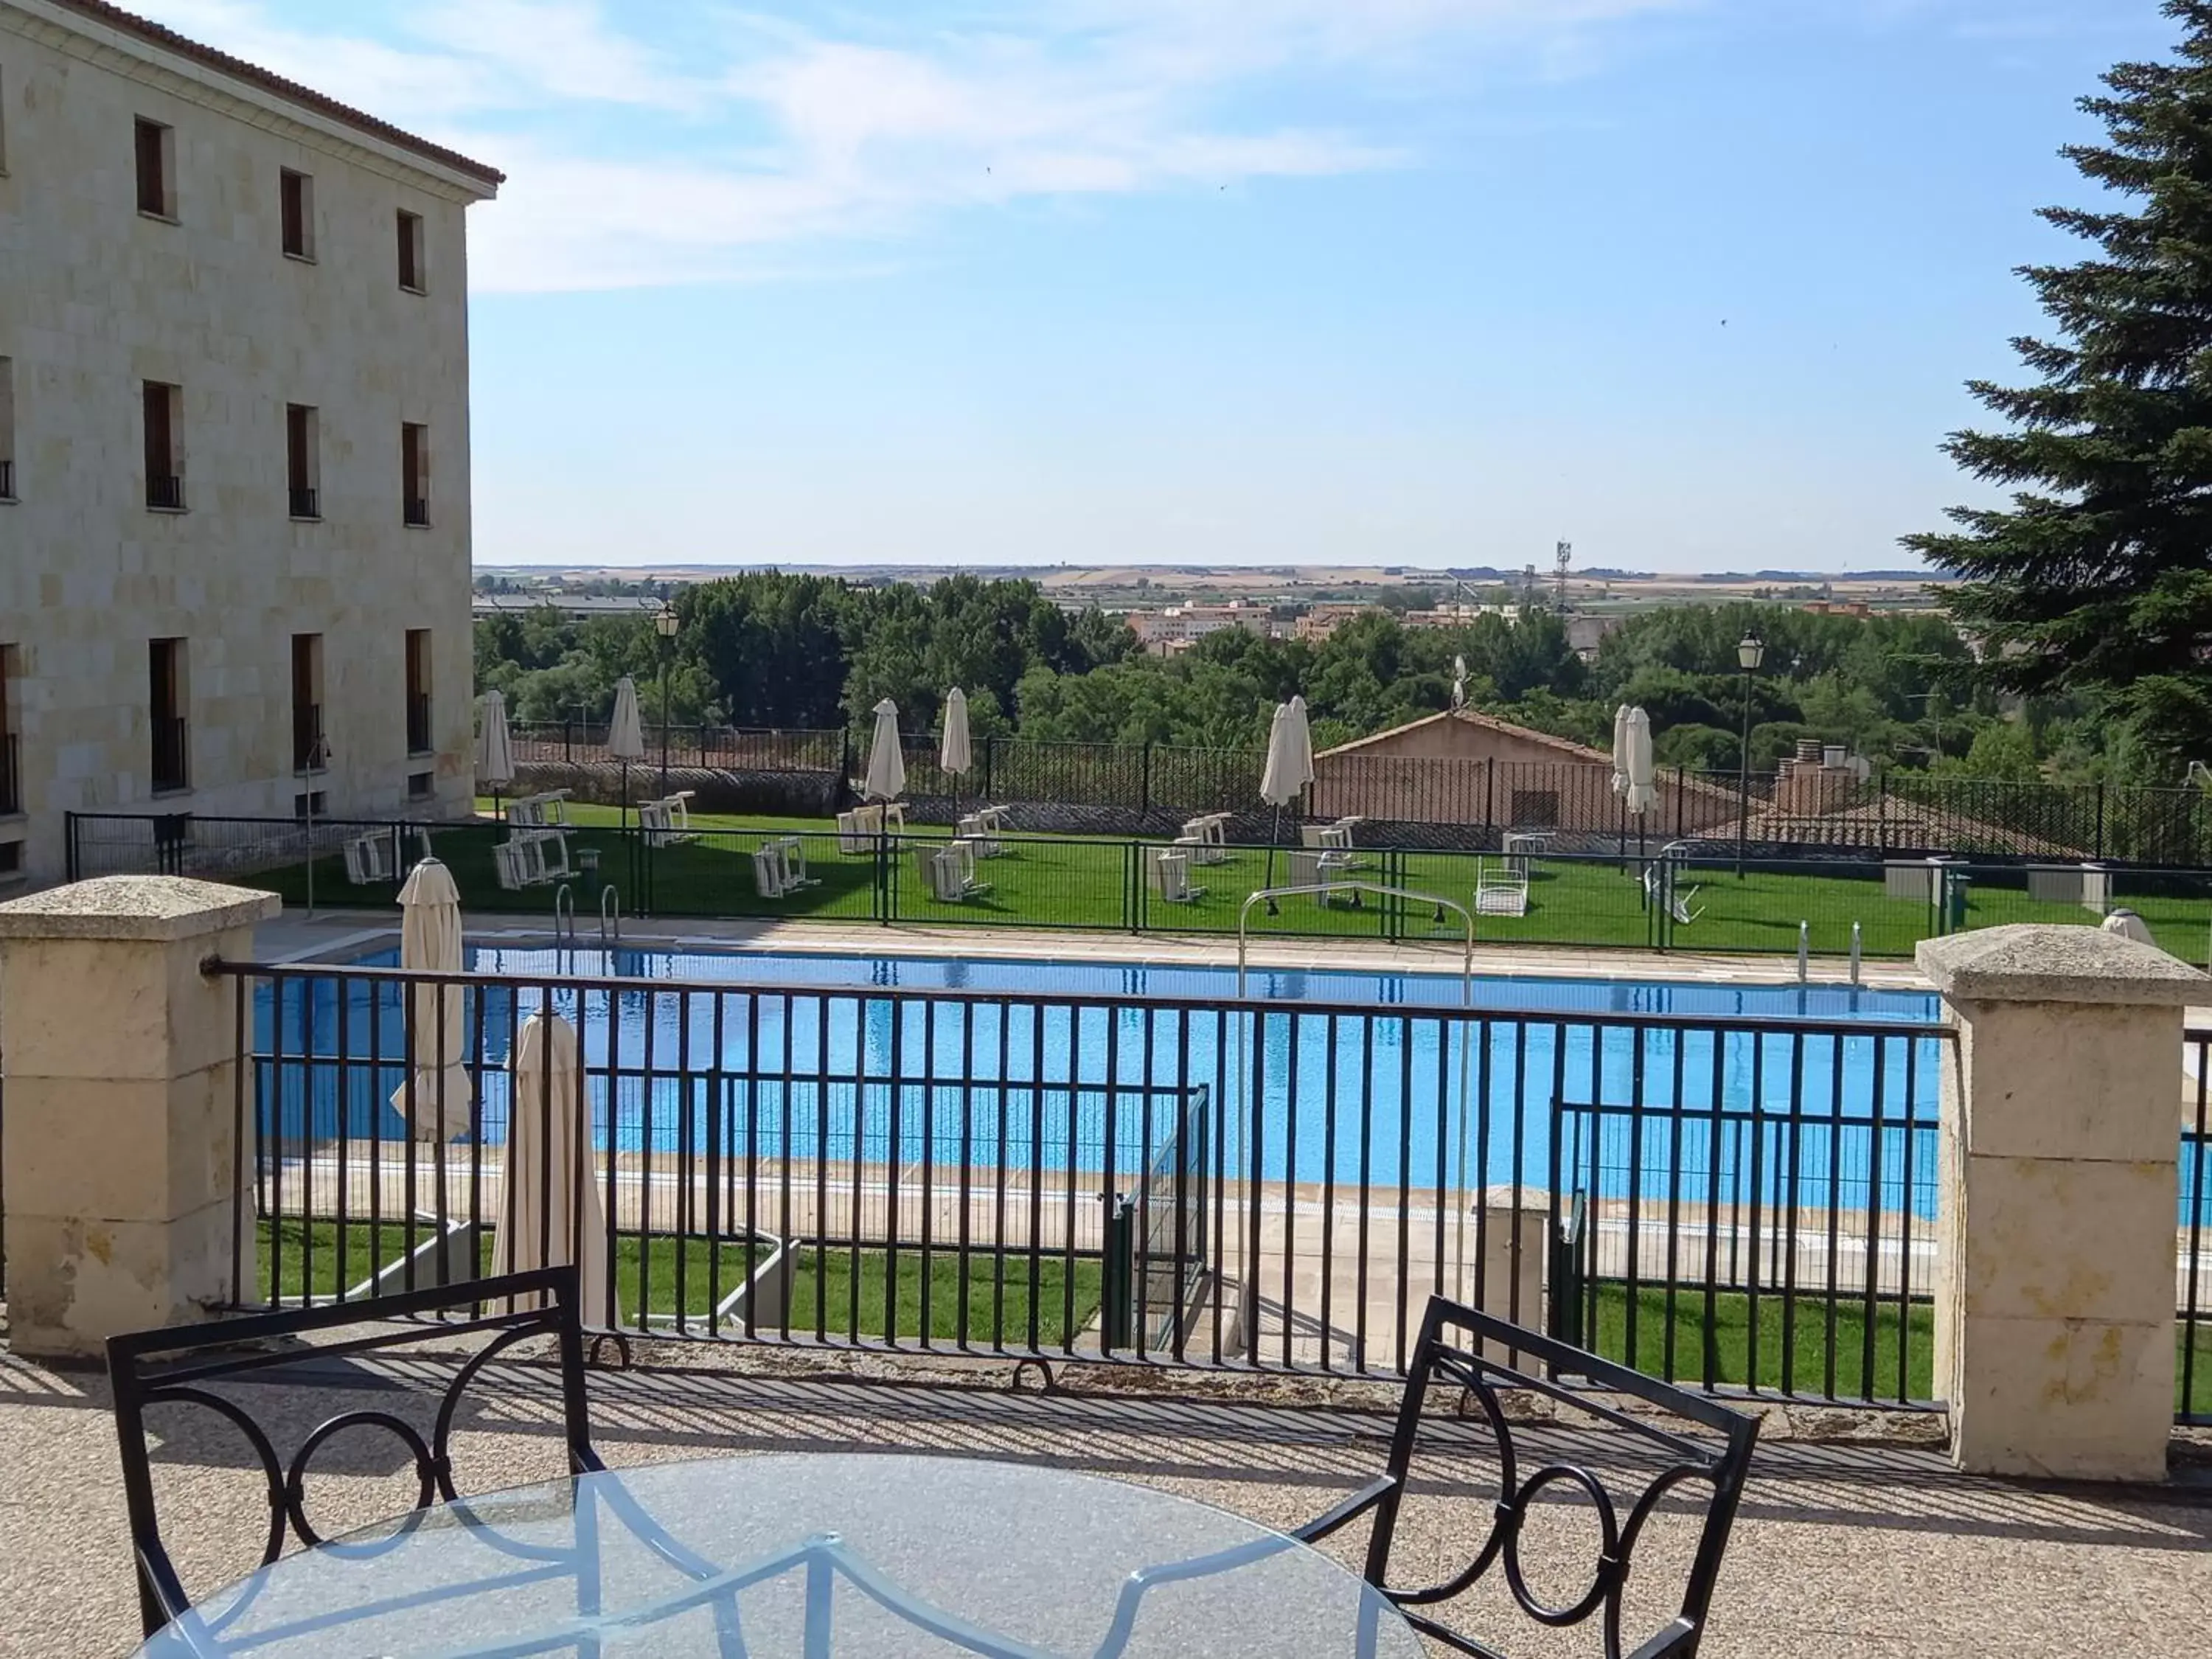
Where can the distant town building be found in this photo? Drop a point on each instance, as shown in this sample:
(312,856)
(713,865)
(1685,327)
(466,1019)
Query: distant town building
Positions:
(235,536)
(1178,627)
(1586,631)
(1321,621)
(579,606)
(1460,615)
(1837,608)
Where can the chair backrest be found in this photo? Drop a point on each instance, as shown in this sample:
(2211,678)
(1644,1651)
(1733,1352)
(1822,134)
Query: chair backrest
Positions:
(768,878)
(1173,870)
(176,1365)
(1459,1346)
(932,879)
(959,862)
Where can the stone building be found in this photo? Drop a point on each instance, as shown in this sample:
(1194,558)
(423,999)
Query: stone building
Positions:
(234,535)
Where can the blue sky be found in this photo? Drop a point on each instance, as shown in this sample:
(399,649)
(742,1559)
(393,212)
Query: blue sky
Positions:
(1692,283)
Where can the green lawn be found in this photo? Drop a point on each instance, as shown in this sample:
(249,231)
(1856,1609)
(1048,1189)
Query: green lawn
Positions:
(1099,884)
(823,1279)
(1732,1347)
(1732,1355)
(2199,1402)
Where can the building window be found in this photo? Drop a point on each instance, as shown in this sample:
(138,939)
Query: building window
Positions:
(310,805)
(310,753)
(418,691)
(420,784)
(7,428)
(157,169)
(414,474)
(303,460)
(413,275)
(295,195)
(165,467)
(168,696)
(11,773)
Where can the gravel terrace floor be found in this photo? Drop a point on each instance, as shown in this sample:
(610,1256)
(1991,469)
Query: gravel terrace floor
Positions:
(1845,1546)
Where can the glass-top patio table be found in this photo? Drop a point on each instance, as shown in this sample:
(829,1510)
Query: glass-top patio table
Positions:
(807,1556)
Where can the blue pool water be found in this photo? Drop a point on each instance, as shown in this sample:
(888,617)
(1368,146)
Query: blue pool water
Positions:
(1381,1077)
(1501,993)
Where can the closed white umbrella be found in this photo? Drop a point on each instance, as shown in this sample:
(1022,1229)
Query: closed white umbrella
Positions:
(954,754)
(1620,749)
(955,758)
(550,1211)
(495,748)
(1459,683)
(434,1098)
(1290,756)
(1289,769)
(625,736)
(886,778)
(1642,793)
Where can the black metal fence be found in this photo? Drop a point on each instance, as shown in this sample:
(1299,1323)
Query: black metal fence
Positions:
(944,1169)
(1437,800)
(1698,897)
(2193,1380)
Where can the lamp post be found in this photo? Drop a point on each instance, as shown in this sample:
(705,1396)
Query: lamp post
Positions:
(664,623)
(1750,652)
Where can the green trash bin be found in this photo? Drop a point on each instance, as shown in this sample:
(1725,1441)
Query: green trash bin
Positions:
(1956,883)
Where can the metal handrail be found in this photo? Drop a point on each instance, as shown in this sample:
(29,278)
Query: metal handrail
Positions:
(566,893)
(610,915)
(1269,894)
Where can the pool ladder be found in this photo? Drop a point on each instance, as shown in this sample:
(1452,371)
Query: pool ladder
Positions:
(564,914)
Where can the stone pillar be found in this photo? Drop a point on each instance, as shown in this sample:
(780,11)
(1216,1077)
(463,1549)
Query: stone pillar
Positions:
(2056,1240)
(118,1059)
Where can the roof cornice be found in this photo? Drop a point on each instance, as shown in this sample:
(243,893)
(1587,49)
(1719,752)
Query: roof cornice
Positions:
(95,32)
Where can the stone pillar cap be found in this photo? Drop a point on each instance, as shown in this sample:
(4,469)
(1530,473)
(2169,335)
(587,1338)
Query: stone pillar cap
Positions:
(2033,962)
(157,909)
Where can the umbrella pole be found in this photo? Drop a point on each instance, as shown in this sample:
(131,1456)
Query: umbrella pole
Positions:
(1273,836)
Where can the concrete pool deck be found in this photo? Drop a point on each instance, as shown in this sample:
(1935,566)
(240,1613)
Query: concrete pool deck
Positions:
(1843,1549)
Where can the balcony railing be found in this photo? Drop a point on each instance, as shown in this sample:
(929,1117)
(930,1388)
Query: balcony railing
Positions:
(7,481)
(173,756)
(307,751)
(306,503)
(418,723)
(165,493)
(417,511)
(11,789)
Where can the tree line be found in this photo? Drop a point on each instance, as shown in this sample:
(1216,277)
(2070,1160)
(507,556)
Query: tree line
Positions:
(789,651)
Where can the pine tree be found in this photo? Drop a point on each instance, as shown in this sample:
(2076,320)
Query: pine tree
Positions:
(2098,577)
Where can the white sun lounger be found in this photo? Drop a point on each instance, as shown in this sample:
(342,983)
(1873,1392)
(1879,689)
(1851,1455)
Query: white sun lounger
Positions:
(1171,875)
(1500,892)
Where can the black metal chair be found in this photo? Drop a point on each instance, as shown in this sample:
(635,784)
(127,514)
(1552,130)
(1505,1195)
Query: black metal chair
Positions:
(231,1349)
(1441,1358)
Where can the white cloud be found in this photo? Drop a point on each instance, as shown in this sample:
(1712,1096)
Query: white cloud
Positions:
(634,162)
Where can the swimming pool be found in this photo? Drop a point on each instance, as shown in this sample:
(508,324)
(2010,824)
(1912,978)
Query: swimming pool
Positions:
(1493,992)
(1381,1079)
